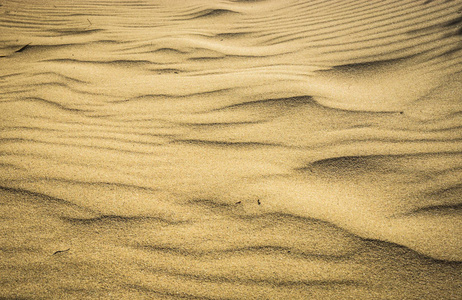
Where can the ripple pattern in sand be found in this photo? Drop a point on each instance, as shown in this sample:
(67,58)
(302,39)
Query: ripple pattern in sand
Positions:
(231,149)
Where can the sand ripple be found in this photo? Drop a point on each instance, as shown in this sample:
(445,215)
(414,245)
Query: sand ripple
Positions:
(231,149)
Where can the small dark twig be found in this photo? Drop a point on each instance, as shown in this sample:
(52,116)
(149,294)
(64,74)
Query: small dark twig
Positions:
(61,251)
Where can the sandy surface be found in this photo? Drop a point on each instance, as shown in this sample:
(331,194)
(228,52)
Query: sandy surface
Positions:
(230,149)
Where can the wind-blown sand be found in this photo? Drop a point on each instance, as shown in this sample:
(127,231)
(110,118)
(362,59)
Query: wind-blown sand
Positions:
(231,149)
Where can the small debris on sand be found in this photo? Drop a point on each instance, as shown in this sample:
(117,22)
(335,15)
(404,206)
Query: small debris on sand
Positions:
(61,251)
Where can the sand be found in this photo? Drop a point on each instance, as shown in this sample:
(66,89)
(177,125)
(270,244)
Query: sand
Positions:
(230,149)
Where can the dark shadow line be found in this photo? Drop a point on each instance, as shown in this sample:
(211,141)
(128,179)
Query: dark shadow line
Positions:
(46,197)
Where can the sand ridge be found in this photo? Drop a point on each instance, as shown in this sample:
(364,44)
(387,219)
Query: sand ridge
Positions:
(230,149)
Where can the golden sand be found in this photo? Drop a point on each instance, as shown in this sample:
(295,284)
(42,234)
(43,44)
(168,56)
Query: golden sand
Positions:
(211,149)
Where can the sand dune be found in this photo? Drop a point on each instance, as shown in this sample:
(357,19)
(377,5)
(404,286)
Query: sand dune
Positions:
(231,149)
